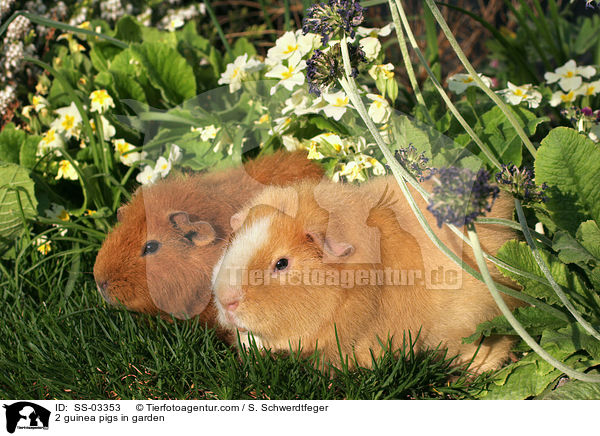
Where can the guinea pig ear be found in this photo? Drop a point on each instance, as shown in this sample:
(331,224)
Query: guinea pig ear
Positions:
(238,219)
(197,232)
(330,245)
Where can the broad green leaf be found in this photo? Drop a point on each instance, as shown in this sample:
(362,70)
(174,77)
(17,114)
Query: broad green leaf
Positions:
(534,320)
(572,338)
(27,155)
(519,255)
(574,390)
(569,163)
(569,249)
(167,71)
(11,139)
(128,30)
(495,130)
(588,235)
(14,181)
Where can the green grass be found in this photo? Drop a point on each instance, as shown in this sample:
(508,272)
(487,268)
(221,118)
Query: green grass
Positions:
(58,339)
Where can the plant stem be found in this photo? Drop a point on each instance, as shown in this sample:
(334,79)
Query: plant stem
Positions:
(515,324)
(413,42)
(215,21)
(405,56)
(555,286)
(463,58)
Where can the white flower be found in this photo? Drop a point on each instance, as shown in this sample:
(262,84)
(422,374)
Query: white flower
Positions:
(163,166)
(39,102)
(559,97)
(380,109)
(332,140)
(352,171)
(148,176)
(516,94)
(569,75)
(337,103)
(291,46)
(66,171)
(108,130)
(57,212)
(371,47)
(175,154)
(281,125)
(291,143)
(50,141)
(589,89)
(301,103)
(101,101)
(42,244)
(313,153)
(209,132)
(68,122)
(175,23)
(126,156)
(458,83)
(237,71)
(387,71)
(289,76)
(374,32)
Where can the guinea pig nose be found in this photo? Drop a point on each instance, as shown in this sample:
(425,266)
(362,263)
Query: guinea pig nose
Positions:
(232,306)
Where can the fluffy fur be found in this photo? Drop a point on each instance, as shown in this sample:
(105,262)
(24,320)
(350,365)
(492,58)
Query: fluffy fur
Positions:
(189,217)
(341,229)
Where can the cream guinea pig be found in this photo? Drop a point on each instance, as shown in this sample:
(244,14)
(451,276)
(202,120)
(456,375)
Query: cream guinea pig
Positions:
(159,257)
(314,260)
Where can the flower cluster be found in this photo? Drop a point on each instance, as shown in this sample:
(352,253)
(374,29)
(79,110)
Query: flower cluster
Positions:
(325,67)
(570,80)
(329,19)
(461,195)
(163,166)
(515,95)
(521,184)
(238,71)
(417,164)
(585,120)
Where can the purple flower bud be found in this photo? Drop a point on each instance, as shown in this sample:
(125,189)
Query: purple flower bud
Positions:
(520,183)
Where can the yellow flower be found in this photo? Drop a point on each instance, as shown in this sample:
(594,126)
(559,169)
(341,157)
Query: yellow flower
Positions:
(66,171)
(263,119)
(90,212)
(101,101)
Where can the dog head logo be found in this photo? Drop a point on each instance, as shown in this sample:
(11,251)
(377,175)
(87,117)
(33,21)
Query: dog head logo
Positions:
(26,415)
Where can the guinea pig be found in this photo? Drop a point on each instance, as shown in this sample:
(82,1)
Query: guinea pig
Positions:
(159,257)
(312,264)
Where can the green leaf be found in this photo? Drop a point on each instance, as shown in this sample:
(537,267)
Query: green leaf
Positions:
(240,48)
(569,249)
(495,130)
(534,320)
(11,139)
(14,181)
(128,30)
(572,338)
(27,155)
(167,71)
(588,235)
(569,163)
(574,390)
(519,255)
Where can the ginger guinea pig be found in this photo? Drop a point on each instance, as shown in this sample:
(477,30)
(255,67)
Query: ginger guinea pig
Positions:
(159,257)
(314,260)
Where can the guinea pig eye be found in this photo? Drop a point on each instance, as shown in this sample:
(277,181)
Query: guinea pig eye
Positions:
(150,247)
(281,264)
